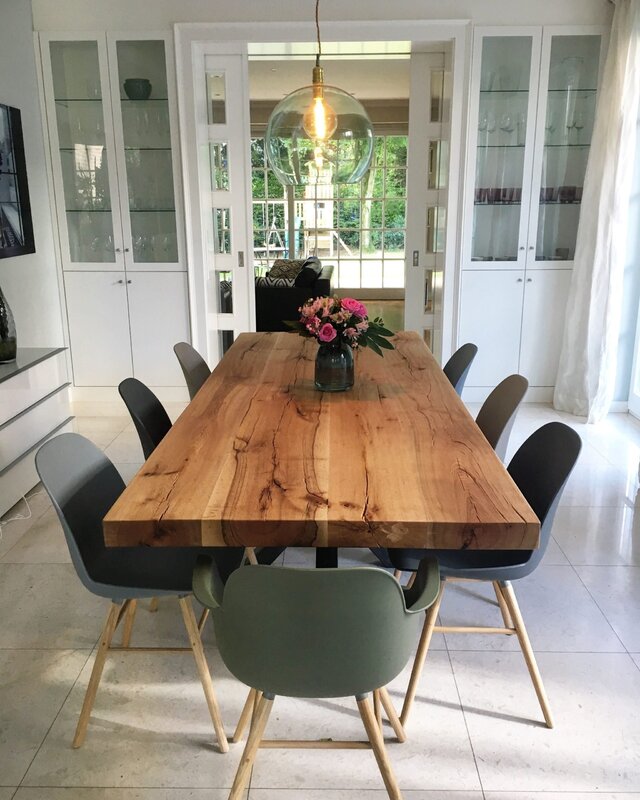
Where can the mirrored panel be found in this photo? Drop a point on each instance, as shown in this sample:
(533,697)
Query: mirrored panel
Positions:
(222,231)
(216,98)
(219,164)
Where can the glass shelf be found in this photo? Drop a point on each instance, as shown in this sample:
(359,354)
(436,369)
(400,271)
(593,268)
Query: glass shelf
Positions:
(63,100)
(499,203)
(501,146)
(569,145)
(148,100)
(87,210)
(577,91)
(560,202)
(145,149)
(504,91)
(152,210)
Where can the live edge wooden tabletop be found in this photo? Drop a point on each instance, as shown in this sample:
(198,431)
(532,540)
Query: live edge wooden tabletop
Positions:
(260,457)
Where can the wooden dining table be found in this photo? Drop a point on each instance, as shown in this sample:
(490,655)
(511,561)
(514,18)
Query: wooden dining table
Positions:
(260,457)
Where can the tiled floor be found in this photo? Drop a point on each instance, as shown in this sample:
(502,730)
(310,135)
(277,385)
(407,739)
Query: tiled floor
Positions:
(475,731)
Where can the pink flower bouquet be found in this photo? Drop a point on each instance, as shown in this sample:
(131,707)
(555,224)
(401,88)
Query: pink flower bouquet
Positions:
(335,319)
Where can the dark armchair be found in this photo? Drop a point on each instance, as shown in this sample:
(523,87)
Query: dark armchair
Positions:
(277,303)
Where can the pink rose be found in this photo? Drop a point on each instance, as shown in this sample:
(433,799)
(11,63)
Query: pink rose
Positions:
(327,333)
(354,306)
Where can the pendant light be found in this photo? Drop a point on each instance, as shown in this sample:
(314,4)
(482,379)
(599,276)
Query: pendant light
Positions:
(319,134)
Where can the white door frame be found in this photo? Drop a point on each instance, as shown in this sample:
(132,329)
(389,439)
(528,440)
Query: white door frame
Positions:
(229,37)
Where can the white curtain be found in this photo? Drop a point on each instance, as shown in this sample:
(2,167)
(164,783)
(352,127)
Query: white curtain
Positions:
(587,371)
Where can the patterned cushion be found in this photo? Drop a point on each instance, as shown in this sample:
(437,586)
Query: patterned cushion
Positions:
(274,283)
(285,268)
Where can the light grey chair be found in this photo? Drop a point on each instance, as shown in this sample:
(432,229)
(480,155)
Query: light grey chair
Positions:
(315,633)
(83,484)
(194,368)
(498,413)
(540,468)
(458,366)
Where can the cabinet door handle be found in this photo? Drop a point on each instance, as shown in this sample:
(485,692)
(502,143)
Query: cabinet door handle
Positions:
(129,281)
(519,280)
(528,280)
(118,250)
(126,249)
(531,247)
(120,281)
(521,247)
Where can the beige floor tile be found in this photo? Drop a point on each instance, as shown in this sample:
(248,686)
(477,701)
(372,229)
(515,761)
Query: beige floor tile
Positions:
(150,727)
(127,470)
(355,794)
(636,658)
(125,449)
(7,792)
(21,517)
(617,591)
(110,424)
(31,793)
(599,536)
(33,687)
(46,606)
(591,485)
(436,755)
(43,543)
(561,796)
(558,611)
(595,744)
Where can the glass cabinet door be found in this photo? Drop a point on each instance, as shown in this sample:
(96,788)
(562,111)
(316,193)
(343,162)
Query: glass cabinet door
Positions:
(85,154)
(147,182)
(501,147)
(574,63)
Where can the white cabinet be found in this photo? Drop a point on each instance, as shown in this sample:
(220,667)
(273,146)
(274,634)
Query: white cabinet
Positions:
(126,323)
(516,318)
(112,127)
(532,107)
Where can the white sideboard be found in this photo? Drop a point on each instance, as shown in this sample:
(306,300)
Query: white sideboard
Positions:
(34,405)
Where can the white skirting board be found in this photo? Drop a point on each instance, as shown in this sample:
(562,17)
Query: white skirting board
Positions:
(109,394)
(535,394)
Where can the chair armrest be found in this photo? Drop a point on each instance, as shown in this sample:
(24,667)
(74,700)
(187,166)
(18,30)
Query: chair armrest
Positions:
(426,587)
(208,587)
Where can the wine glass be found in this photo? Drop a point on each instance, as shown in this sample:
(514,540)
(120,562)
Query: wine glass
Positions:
(506,125)
(550,127)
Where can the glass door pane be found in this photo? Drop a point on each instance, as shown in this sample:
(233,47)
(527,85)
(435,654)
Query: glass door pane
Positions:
(82,142)
(146,132)
(571,105)
(500,151)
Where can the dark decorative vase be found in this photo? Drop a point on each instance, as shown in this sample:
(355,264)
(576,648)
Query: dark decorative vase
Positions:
(334,367)
(7,332)
(137,88)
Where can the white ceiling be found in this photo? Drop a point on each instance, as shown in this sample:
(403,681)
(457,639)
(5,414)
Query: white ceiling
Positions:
(367,79)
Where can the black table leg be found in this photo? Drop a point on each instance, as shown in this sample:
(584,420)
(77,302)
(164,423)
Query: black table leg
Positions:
(326,556)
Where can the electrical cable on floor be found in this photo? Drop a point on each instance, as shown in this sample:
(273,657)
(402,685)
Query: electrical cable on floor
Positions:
(17,517)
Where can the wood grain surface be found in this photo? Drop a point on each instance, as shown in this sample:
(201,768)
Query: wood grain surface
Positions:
(260,457)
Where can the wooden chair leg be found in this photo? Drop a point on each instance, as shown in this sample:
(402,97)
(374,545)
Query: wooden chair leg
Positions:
(504,610)
(377,708)
(153,605)
(377,743)
(258,724)
(411,580)
(392,716)
(203,618)
(245,716)
(250,555)
(203,670)
(421,654)
(96,673)
(129,618)
(527,651)
(397,574)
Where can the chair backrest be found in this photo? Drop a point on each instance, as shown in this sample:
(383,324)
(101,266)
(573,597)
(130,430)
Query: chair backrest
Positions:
(147,412)
(498,413)
(540,468)
(194,368)
(457,367)
(314,632)
(83,484)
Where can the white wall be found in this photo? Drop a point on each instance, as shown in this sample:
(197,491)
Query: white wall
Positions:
(29,282)
(161,14)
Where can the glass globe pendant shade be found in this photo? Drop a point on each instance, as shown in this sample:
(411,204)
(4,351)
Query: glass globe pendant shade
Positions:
(319,134)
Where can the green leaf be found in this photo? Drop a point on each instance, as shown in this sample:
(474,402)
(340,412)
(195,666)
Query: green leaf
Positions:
(383,343)
(374,347)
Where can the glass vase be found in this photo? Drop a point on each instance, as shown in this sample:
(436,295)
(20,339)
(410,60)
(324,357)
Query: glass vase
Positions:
(334,367)
(7,332)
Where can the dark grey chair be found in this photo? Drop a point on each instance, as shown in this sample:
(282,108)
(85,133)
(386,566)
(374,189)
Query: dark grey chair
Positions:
(315,633)
(498,413)
(540,468)
(147,412)
(457,367)
(194,368)
(83,484)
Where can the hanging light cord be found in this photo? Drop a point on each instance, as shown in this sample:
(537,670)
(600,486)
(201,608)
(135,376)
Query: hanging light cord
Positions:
(319,53)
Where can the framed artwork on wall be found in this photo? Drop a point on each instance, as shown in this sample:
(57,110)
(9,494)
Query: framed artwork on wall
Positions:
(16,227)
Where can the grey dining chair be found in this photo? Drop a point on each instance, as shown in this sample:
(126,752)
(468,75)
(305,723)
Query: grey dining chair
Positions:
(498,413)
(315,633)
(83,484)
(540,468)
(147,412)
(457,367)
(194,368)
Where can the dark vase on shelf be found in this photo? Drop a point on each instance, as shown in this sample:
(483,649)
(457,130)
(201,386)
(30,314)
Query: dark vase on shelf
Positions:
(7,332)
(334,367)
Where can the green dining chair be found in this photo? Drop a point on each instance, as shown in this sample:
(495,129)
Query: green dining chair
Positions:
(316,633)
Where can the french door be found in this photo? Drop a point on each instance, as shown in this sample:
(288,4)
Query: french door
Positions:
(634,389)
